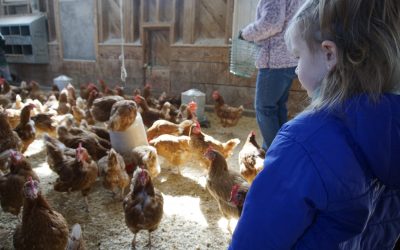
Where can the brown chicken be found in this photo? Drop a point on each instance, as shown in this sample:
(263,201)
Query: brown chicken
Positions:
(35,92)
(59,156)
(79,176)
(99,131)
(175,149)
(145,156)
(173,99)
(26,127)
(82,132)
(123,114)
(101,107)
(220,180)
(161,127)
(88,141)
(11,184)
(71,94)
(150,115)
(45,123)
(238,196)
(143,206)
(228,115)
(85,90)
(9,138)
(41,227)
(200,142)
(147,95)
(78,113)
(107,91)
(112,169)
(63,105)
(251,158)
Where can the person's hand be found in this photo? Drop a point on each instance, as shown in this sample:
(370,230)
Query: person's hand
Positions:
(240,35)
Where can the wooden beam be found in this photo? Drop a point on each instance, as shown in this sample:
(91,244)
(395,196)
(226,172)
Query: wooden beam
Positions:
(57,22)
(173,22)
(158,11)
(101,21)
(229,20)
(95,22)
(189,18)
(128,21)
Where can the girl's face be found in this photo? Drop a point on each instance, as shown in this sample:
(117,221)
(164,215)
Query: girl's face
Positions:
(312,66)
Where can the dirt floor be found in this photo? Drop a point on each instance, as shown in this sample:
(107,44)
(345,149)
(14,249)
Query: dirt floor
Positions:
(191,217)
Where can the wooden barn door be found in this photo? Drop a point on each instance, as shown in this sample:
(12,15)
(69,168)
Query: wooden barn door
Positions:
(157,57)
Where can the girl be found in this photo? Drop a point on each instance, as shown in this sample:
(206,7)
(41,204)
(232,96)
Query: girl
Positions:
(331,177)
(275,64)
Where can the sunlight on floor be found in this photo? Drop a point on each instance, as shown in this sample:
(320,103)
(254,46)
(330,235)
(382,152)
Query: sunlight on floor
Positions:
(223,224)
(34,148)
(184,206)
(43,170)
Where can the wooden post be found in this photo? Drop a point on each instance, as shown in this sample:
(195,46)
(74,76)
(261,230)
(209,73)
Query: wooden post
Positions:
(229,20)
(189,17)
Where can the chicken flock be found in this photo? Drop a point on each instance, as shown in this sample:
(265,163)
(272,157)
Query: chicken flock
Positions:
(76,134)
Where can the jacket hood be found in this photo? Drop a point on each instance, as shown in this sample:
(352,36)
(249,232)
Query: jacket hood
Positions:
(375,128)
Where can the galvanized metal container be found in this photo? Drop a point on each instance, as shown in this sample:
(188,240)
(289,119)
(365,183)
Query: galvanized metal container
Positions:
(62,81)
(198,97)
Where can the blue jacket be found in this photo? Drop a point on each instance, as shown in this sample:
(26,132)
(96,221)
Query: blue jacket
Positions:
(331,180)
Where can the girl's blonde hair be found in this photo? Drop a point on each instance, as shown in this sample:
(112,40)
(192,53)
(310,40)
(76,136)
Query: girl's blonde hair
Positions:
(367,36)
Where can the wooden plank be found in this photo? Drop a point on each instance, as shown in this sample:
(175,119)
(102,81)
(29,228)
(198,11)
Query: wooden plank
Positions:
(100,23)
(174,22)
(166,9)
(210,19)
(228,21)
(113,51)
(58,27)
(96,31)
(136,19)
(189,15)
(206,54)
(158,11)
(129,24)
(156,25)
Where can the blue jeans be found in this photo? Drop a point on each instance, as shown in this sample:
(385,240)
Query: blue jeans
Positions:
(272,92)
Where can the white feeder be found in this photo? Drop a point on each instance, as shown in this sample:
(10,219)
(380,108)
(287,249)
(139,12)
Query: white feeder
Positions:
(198,97)
(62,81)
(124,141)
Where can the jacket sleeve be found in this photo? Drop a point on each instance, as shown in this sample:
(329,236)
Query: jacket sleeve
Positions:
(282,201)
(270,22)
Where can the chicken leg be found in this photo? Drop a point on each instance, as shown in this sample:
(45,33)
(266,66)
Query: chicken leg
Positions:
(149,243)
(133,244)
(87,204)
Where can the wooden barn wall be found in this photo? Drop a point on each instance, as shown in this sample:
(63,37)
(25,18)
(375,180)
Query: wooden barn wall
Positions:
(196,55)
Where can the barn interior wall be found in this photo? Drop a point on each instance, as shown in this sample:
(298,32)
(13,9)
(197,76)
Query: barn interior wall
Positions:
(198,49)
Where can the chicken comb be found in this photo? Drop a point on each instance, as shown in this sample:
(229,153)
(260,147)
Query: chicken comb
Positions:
(253,133)
(234,191)
(137,98)
(192,106)
(2,81)
(210,148)
(30,180)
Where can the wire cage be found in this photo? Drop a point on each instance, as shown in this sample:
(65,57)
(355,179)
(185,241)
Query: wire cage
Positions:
(243,57)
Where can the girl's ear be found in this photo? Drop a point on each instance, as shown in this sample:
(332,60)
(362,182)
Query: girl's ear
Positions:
(330,54)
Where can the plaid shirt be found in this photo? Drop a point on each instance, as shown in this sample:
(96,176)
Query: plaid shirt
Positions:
(268,32)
